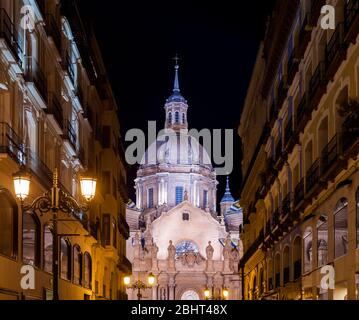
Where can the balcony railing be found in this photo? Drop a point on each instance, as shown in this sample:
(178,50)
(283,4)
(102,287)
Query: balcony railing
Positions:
(286,205)
(10,34)
(69,66)
(55,109)
(35,75)
(335,51)
(53,30)
(123,227)
(70,134)
(351,13)
(330,154)
(299,193)
(317,85)
(39,169)
(11,144)
(313,176)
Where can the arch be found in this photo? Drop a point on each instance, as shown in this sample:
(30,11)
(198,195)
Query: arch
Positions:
(297,257)
(65,259)
(77,265)
(170,118)
(31,230)
(87,270)
(322,240)
(8,225)
(190,295)
(341,228)
(308,249)
(177,117)
(183,118)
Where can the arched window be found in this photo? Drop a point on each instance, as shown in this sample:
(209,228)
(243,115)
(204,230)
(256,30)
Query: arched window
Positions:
(277,270)
(186,246)
(297,258)
(177,117)
(322,235)
(183,118)
(341,228)
(47,249)
(357,216)
(77,258)
(65,259)
(308,250)
(87,271)
(286,264)
(170,118)
(30,239)
(8,226)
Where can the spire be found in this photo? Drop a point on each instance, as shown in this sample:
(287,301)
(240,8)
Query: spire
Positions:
(176,87)
(176,95)
(227,195)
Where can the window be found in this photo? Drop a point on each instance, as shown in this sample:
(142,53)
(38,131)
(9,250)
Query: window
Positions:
(150,198)
(341,228)
(170,118)
(185,216)
(177,117)
(308,250)
(77,265)
(205,199)
(65,260)
(8,226)
(30,239)
(114,233)
(357,216)
(48,249)
(322,234)
(87,271)
(183,118)
(106,230)
(186,246)
(179,195)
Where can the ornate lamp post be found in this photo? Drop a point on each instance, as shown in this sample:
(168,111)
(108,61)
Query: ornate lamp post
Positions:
(210,295)
(139,285)
(53,201)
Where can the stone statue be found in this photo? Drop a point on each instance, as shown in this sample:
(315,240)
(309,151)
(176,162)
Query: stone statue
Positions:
(171,251)
(209,251)
(136,241)
(185,196)
(227,249)
(154,251)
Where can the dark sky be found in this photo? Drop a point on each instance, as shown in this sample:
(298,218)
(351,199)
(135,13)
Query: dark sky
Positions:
(217,42)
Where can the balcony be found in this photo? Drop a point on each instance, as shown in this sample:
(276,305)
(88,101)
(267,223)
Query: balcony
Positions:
(303,114)
(123,227)
(69,66)
(312,178)
(317,86)
(11,144)
(279,159)
(304,35)
(282,92)
(351,16)
(350,137)
(292,67)
(289,139)
(53,30)
(124,264)
(39,169)
(286,206)
(335,51)
(70,134)
(330,156)
(315,11)
(55,110)
(34,74)
(9,33)
(299,194)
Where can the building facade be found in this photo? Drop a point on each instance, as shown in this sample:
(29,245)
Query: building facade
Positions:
(57,110)
(301,188)
(176,232)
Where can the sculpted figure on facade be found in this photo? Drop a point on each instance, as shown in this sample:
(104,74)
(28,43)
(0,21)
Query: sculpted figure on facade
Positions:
(209,251)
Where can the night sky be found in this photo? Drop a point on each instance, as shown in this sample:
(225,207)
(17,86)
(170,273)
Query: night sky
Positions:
(217,43)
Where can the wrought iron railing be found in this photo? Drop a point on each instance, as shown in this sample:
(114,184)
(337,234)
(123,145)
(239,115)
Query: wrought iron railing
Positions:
(313,175)
(11,144)
(55,109)
(35,74)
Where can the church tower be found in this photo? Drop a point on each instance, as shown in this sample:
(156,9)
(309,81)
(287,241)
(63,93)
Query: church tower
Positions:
(176,106)
(227,200)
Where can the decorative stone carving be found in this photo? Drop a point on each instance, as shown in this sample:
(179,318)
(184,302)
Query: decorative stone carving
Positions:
(209,251)
(190,259)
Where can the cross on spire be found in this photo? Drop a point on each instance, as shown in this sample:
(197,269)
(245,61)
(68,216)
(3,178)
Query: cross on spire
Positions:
(176,87)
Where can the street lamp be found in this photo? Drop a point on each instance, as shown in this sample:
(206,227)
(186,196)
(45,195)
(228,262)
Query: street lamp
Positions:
(140,285)
(212,296)
(53,201)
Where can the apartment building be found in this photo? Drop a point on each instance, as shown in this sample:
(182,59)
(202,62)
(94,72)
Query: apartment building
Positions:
(57,111)
(301,188)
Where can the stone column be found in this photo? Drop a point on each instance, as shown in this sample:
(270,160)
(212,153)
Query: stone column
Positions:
(154,292)
(171,287)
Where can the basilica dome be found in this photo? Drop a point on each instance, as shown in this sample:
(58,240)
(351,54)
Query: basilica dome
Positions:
(176,149)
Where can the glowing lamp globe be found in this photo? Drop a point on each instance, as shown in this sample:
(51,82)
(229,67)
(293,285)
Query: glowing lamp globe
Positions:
(127,281)
(22,184)
(151,279)
(225,293)
(88,187)
(207,293)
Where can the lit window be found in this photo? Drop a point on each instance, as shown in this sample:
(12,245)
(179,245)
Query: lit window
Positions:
(308,250)
(65,260)
(322,234)
(341,228)
(77,265)
(30,239)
